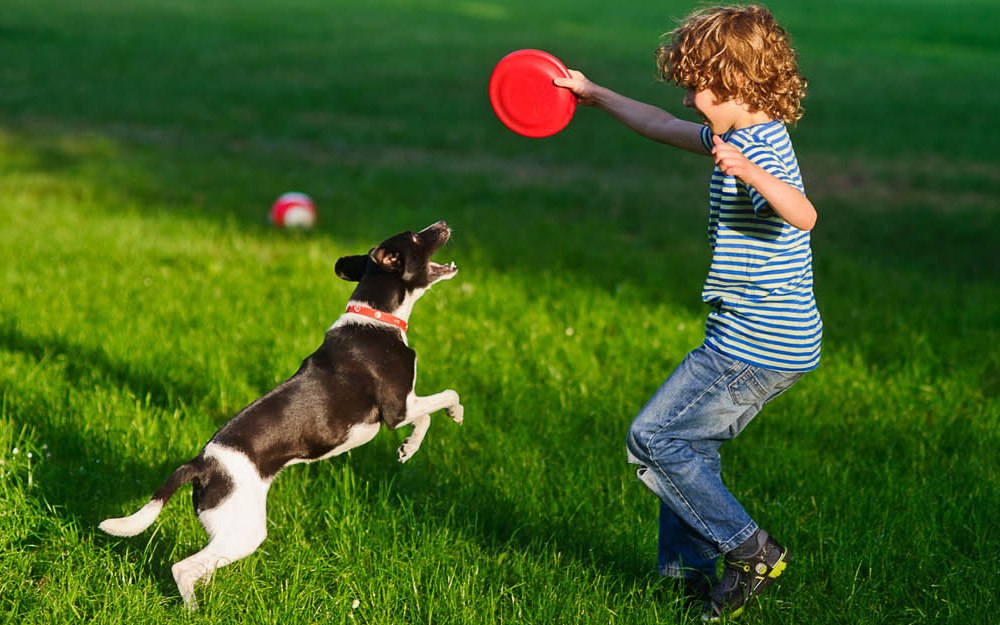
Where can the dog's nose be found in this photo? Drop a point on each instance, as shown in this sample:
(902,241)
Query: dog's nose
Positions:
(440,225)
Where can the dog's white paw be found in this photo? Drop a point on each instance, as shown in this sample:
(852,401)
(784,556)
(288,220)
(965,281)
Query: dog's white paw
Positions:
(406,451)
(457,413)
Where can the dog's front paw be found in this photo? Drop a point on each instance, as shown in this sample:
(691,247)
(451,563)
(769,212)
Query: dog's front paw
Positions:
(457,413)
(406,451)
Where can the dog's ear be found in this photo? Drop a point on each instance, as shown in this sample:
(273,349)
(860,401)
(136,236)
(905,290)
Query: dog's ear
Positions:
(352,268)
(388,261)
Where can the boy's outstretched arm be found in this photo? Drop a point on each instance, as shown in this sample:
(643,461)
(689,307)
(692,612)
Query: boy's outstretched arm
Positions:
(647,120)
(785,200)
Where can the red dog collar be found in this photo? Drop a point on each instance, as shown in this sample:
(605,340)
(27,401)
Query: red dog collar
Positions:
(378,315)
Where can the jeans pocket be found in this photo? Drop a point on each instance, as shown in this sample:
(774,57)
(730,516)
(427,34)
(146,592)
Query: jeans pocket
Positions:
(746,389)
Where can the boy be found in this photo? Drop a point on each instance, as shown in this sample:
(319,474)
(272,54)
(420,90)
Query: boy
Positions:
(763,330)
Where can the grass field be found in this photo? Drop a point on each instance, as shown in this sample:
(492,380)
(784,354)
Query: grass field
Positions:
(144,300)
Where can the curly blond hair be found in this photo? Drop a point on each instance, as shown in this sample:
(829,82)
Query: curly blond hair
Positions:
(739,52)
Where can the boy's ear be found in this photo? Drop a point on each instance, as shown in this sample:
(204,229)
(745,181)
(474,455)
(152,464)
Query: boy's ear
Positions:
(351,268)
(388,261)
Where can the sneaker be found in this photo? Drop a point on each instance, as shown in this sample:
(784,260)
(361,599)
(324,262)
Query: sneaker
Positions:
(749,569)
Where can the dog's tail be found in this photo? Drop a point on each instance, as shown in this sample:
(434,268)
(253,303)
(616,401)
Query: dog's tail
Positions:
(132,525)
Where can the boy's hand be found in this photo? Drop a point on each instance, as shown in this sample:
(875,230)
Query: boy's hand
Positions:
(730,160)
(581,87)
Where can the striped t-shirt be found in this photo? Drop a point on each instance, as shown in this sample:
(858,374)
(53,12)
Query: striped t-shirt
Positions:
(760,283)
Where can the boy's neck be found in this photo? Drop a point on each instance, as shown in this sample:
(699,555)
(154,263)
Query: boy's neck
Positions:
(752,119)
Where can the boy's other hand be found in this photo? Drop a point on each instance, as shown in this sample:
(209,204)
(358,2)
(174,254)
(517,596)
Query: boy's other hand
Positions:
(581,87)
(730,160)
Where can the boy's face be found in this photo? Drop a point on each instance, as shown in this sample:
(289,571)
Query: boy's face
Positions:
(720,116)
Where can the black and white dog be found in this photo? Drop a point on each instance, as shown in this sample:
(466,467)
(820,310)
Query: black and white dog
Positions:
(362,376)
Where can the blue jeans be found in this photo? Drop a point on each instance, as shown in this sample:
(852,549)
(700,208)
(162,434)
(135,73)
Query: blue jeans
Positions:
(675,440)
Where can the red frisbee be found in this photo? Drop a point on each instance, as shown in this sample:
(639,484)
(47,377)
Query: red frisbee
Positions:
(524,98)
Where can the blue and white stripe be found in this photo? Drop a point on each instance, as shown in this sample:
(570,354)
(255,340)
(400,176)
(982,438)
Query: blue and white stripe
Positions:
(760,283)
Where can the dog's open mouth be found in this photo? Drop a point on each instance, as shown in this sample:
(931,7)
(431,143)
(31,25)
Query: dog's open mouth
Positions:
(442,272)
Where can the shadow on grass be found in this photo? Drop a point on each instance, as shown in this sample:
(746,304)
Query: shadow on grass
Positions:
(88,367)
(86,478)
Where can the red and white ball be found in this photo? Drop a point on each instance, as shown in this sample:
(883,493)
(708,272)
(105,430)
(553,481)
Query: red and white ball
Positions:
(293,210)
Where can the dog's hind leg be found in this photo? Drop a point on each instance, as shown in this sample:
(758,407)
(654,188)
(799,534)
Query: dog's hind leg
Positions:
(236,524)
(219,552)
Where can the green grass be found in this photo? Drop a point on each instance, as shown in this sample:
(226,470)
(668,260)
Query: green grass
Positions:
(144,300)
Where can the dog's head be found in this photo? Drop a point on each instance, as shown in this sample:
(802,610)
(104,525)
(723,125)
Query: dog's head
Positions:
(400,269)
